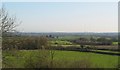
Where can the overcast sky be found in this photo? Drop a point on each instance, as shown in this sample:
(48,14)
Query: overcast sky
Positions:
(65,16)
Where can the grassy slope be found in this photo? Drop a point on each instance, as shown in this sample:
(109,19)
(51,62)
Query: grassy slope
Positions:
(97,60)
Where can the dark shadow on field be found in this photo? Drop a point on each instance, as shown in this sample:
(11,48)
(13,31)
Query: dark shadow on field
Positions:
(97,52)
(107,53)
(86,50)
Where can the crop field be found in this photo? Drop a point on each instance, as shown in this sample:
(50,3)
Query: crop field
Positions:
(65,57)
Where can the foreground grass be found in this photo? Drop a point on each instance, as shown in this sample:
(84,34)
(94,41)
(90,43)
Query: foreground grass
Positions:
(97,60)
(65,58)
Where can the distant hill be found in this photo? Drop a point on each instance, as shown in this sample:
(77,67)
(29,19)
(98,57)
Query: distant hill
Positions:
(112,34)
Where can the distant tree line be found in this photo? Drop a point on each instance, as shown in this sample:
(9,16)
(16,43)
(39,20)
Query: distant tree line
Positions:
(93,41)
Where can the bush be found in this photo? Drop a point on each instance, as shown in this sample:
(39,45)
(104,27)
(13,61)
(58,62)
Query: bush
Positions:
(38,60)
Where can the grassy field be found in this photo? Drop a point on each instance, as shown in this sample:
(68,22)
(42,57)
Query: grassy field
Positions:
(62,43)
(65,57)
(58,42)
(115,43)
(68,37)
(98,60)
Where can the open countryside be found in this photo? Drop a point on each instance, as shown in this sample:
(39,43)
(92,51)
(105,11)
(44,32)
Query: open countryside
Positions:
(59,35)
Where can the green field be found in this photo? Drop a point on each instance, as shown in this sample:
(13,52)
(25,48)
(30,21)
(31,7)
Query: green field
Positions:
(73,37)
(62,43)
(58,42)
(95,59)
(65,58)
(115,43)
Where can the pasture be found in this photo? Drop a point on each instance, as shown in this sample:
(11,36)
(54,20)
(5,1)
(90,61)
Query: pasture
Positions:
(62,59)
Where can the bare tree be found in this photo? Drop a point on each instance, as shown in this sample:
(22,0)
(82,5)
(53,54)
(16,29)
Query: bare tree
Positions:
(42,42)
(7,23)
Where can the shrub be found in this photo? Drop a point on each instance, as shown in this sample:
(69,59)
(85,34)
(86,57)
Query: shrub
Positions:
(38,60)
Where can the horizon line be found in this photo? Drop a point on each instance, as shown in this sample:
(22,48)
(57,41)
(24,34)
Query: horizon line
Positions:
(69,32)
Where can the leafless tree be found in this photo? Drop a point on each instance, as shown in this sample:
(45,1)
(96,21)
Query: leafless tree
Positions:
(7,23)
(42,42)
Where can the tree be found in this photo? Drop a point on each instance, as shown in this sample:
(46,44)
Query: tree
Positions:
(102,39)
(42,42)
(92,39)
(7,23)
(52,55)
(7,26)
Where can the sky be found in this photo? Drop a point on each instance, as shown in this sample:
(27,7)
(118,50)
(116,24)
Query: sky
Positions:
(60,0)
(65,16)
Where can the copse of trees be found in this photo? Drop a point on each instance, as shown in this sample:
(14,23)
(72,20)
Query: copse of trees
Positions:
(26,43)
(42,42)
(92,41)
